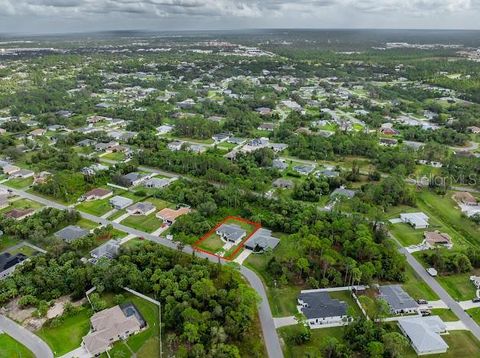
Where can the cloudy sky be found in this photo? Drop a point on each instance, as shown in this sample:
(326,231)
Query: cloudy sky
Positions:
(54,16)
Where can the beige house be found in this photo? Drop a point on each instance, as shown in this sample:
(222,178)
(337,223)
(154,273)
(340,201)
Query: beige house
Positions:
(110,326)
(435,238)
(168,216)
(465,198)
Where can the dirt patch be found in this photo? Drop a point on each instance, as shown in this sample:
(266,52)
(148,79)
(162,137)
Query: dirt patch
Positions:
(13,311)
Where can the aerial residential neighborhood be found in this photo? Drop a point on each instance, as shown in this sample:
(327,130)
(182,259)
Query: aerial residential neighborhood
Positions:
(243,193)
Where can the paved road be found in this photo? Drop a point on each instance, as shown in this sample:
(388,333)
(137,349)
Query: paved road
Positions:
(27,338)
(440,291)
(270,335)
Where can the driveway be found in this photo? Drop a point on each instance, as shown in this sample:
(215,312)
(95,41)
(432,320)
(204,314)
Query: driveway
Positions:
(27,338)
(80,352)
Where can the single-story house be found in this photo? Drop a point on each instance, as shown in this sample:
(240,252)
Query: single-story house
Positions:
(4,201)
(328,173)
(87,143)
(261,241)
(266,127)
(283,183)
(474,129)
(168,216)
(9,169)
(465,198)
(97,194)
(398,300)
(71,233)
(221,137)
(175,145)
(157,183)
(134,179)
(279,164)
(476,281)
(278,147)
(23,174)
(110,250)
(416,220)
(346,193)
(111,325)
(424,334)
(304,169)
(319,308)
(38,132)
(231,232)
(9,262)
(120,202)
(144,208)
(435,238)
(19,214)
(164,129)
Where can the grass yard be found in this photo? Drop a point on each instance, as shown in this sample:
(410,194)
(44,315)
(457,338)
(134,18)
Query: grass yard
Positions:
(114,156)
(416,287)
(67,336)
(445,314)
(213,243)
(312,348)
(7,242)
(26,250)
(11,348)
(87,224)
(444,209)
(95,207)
(406,234)
(19,183)
(160,204)
(22,204)
(346,296)
(148,223)
(474,313)
(458,286)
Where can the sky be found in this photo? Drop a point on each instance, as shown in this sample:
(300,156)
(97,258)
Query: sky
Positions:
(64,16)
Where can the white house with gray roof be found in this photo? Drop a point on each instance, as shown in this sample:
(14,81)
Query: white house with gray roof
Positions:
(320,309)
(398,300)
(416,220)
(261,240)
(424,334)
(71,233)
(231,233)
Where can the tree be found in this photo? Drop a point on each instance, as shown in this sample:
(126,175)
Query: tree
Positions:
(395,344)
(376,349)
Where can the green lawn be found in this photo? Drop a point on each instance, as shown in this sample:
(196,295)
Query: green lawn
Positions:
(213,243)
(416,287)
(11,348)
(67,336)
(148,223)
(6,242)
(313,347)
(445,314)
(346,296)
(26,250)
(160,204)
(95,207)
(114,156)
(475,314)
(22,204)
(87,224)
(458,286)
(19,183)
(406,234)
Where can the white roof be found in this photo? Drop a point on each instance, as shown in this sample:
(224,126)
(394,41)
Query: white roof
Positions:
(424,333)
(418,219)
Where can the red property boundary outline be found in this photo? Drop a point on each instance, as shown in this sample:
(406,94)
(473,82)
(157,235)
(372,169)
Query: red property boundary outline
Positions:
(255,225)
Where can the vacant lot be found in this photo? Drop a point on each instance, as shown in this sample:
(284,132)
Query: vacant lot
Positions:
(19,183)
(148,223)
(313,347)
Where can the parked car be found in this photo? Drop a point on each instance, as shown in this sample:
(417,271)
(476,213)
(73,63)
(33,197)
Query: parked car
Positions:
(426,313)
(476,300)
(422,302)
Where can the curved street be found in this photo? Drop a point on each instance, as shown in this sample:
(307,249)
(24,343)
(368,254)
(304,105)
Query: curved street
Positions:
(27,338)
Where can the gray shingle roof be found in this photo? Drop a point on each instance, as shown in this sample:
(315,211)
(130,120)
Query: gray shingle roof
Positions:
(321,305)
(262,240)
(71,233)
(424,333)
(231,232)
(397,298)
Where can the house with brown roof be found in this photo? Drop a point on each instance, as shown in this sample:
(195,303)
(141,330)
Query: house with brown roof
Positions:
(111,325)
(168,216)
(19,214)
(465,198)
(435,238)
(474,129)
(97,194)
(38,132)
